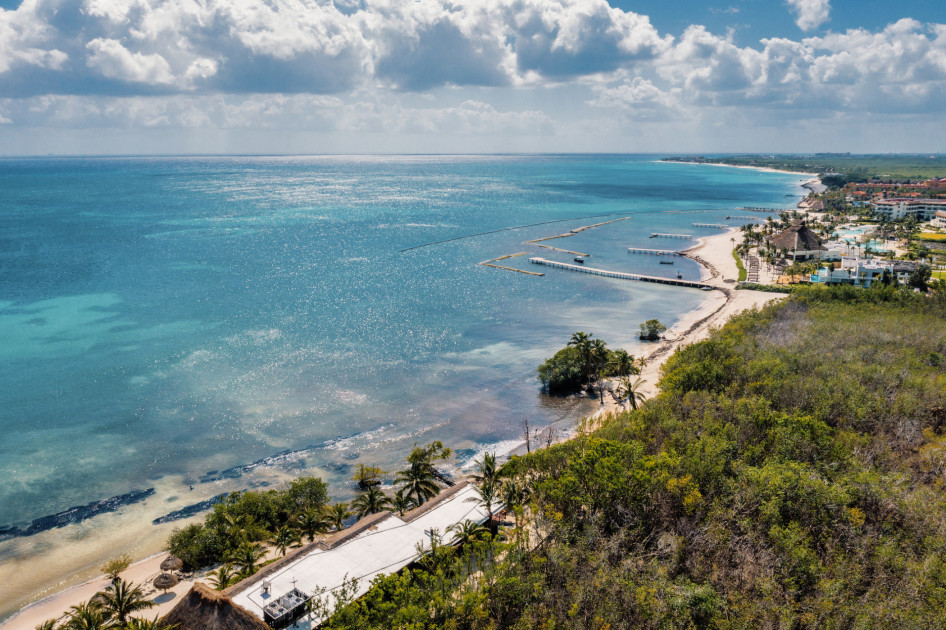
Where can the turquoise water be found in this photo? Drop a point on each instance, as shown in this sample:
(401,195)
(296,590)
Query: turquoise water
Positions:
(852,236)
(176,317)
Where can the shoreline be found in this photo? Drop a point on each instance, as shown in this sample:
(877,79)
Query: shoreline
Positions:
(765,169)
(715,260)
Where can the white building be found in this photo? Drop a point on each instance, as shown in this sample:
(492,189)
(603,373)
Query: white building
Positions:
(922,209)
(939,219)
(862,272)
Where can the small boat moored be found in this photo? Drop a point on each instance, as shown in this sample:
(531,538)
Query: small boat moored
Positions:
(580,259)
(679,275)
(666,262)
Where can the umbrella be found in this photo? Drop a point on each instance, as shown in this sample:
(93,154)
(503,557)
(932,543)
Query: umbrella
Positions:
(172,563)
(165,581)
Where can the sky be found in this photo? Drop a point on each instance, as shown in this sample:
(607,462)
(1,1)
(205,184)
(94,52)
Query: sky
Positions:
(85,77)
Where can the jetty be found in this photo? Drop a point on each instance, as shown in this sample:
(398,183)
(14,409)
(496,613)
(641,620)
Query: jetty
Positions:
(653,252)
(620,275)
(489,263)
(721,226)
(742,216)
(577,230)
(559,249)
(661,235)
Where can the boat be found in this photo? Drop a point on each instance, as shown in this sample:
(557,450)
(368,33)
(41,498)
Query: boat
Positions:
(580,259)
(679,275)
(666,262)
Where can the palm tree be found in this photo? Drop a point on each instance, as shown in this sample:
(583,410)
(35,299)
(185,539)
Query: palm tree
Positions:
(49,624)
(122,598)
(222,577)
(486,470)
(284,538)
(88,616)
(467,532)
(401,502)
(371,501)
(582,342)
(246,556)
(337,515)
(144,624)
(622,363)
(312,522)
(367,476)
(419,483)
(487,495)
(632,391)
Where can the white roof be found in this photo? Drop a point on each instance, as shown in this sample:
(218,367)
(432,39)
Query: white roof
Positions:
(384,548)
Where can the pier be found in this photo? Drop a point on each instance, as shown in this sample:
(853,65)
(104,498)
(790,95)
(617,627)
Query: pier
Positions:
(489,263)
(721,226)
(742,216)
(659,235)
(620,275)
(769,210)
(653,252)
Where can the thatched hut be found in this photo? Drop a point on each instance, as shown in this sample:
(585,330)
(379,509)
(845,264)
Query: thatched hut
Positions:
(205,609)
(172,563)
(799,241)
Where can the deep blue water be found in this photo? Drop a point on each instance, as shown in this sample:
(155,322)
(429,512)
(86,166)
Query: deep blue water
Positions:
(180,316)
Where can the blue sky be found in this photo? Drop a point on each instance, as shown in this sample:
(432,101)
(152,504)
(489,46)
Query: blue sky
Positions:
(454,76)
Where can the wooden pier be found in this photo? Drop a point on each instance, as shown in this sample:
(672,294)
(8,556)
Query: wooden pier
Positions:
(742,216)
(721,226)
(559,249)
(620,275)
(659,235)
(489,263)
(769,210)
(577,230)
(653,252)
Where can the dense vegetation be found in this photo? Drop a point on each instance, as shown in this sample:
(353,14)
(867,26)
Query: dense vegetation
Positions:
(842,168)
(582,363)
(790,475)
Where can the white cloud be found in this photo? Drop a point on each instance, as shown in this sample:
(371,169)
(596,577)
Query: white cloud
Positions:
(810,14)
(114,61)
(21,43)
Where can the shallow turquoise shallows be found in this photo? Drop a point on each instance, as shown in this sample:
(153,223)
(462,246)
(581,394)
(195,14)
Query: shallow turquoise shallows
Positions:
(189,316)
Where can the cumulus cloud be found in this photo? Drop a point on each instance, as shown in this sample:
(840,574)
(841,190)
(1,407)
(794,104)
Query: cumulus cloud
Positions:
(114,61)
(810,14)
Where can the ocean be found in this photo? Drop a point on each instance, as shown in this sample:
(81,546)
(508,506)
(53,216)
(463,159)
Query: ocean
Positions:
(175,328)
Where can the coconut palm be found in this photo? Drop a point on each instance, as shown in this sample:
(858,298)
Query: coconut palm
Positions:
(122,598)
(487,495)
(284,538)
(467,532)
(623,363)
(367,476)
(312,522)
(401,502)
(246,556)
(486,470)
(49,624)
(371,501)
(631,391)
(222,577)
(337,514)
(88,616)
(144,624)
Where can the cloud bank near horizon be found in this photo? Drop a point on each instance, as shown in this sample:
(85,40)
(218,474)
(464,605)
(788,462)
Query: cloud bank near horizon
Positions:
(430,66)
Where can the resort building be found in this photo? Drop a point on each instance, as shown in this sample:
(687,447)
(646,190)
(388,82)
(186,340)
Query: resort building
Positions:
(799,241)
(377,544)
(861,272)
(939,219)
(899,208)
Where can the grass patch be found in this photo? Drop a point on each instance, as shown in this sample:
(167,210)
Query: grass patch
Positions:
(743,274)
(931,236)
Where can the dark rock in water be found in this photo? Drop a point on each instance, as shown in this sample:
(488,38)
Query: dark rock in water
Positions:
(77,514)
(190,510)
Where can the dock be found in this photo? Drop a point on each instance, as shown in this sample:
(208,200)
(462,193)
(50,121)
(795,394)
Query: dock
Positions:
(575,231)
(660,235)
(720,226)
(559,249)
(489,263)
(620,275)
(653,252)
(742,216)
(770,210)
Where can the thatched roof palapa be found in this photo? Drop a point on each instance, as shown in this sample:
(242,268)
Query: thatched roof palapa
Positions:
(205,609)
(172,563)
(798,237)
